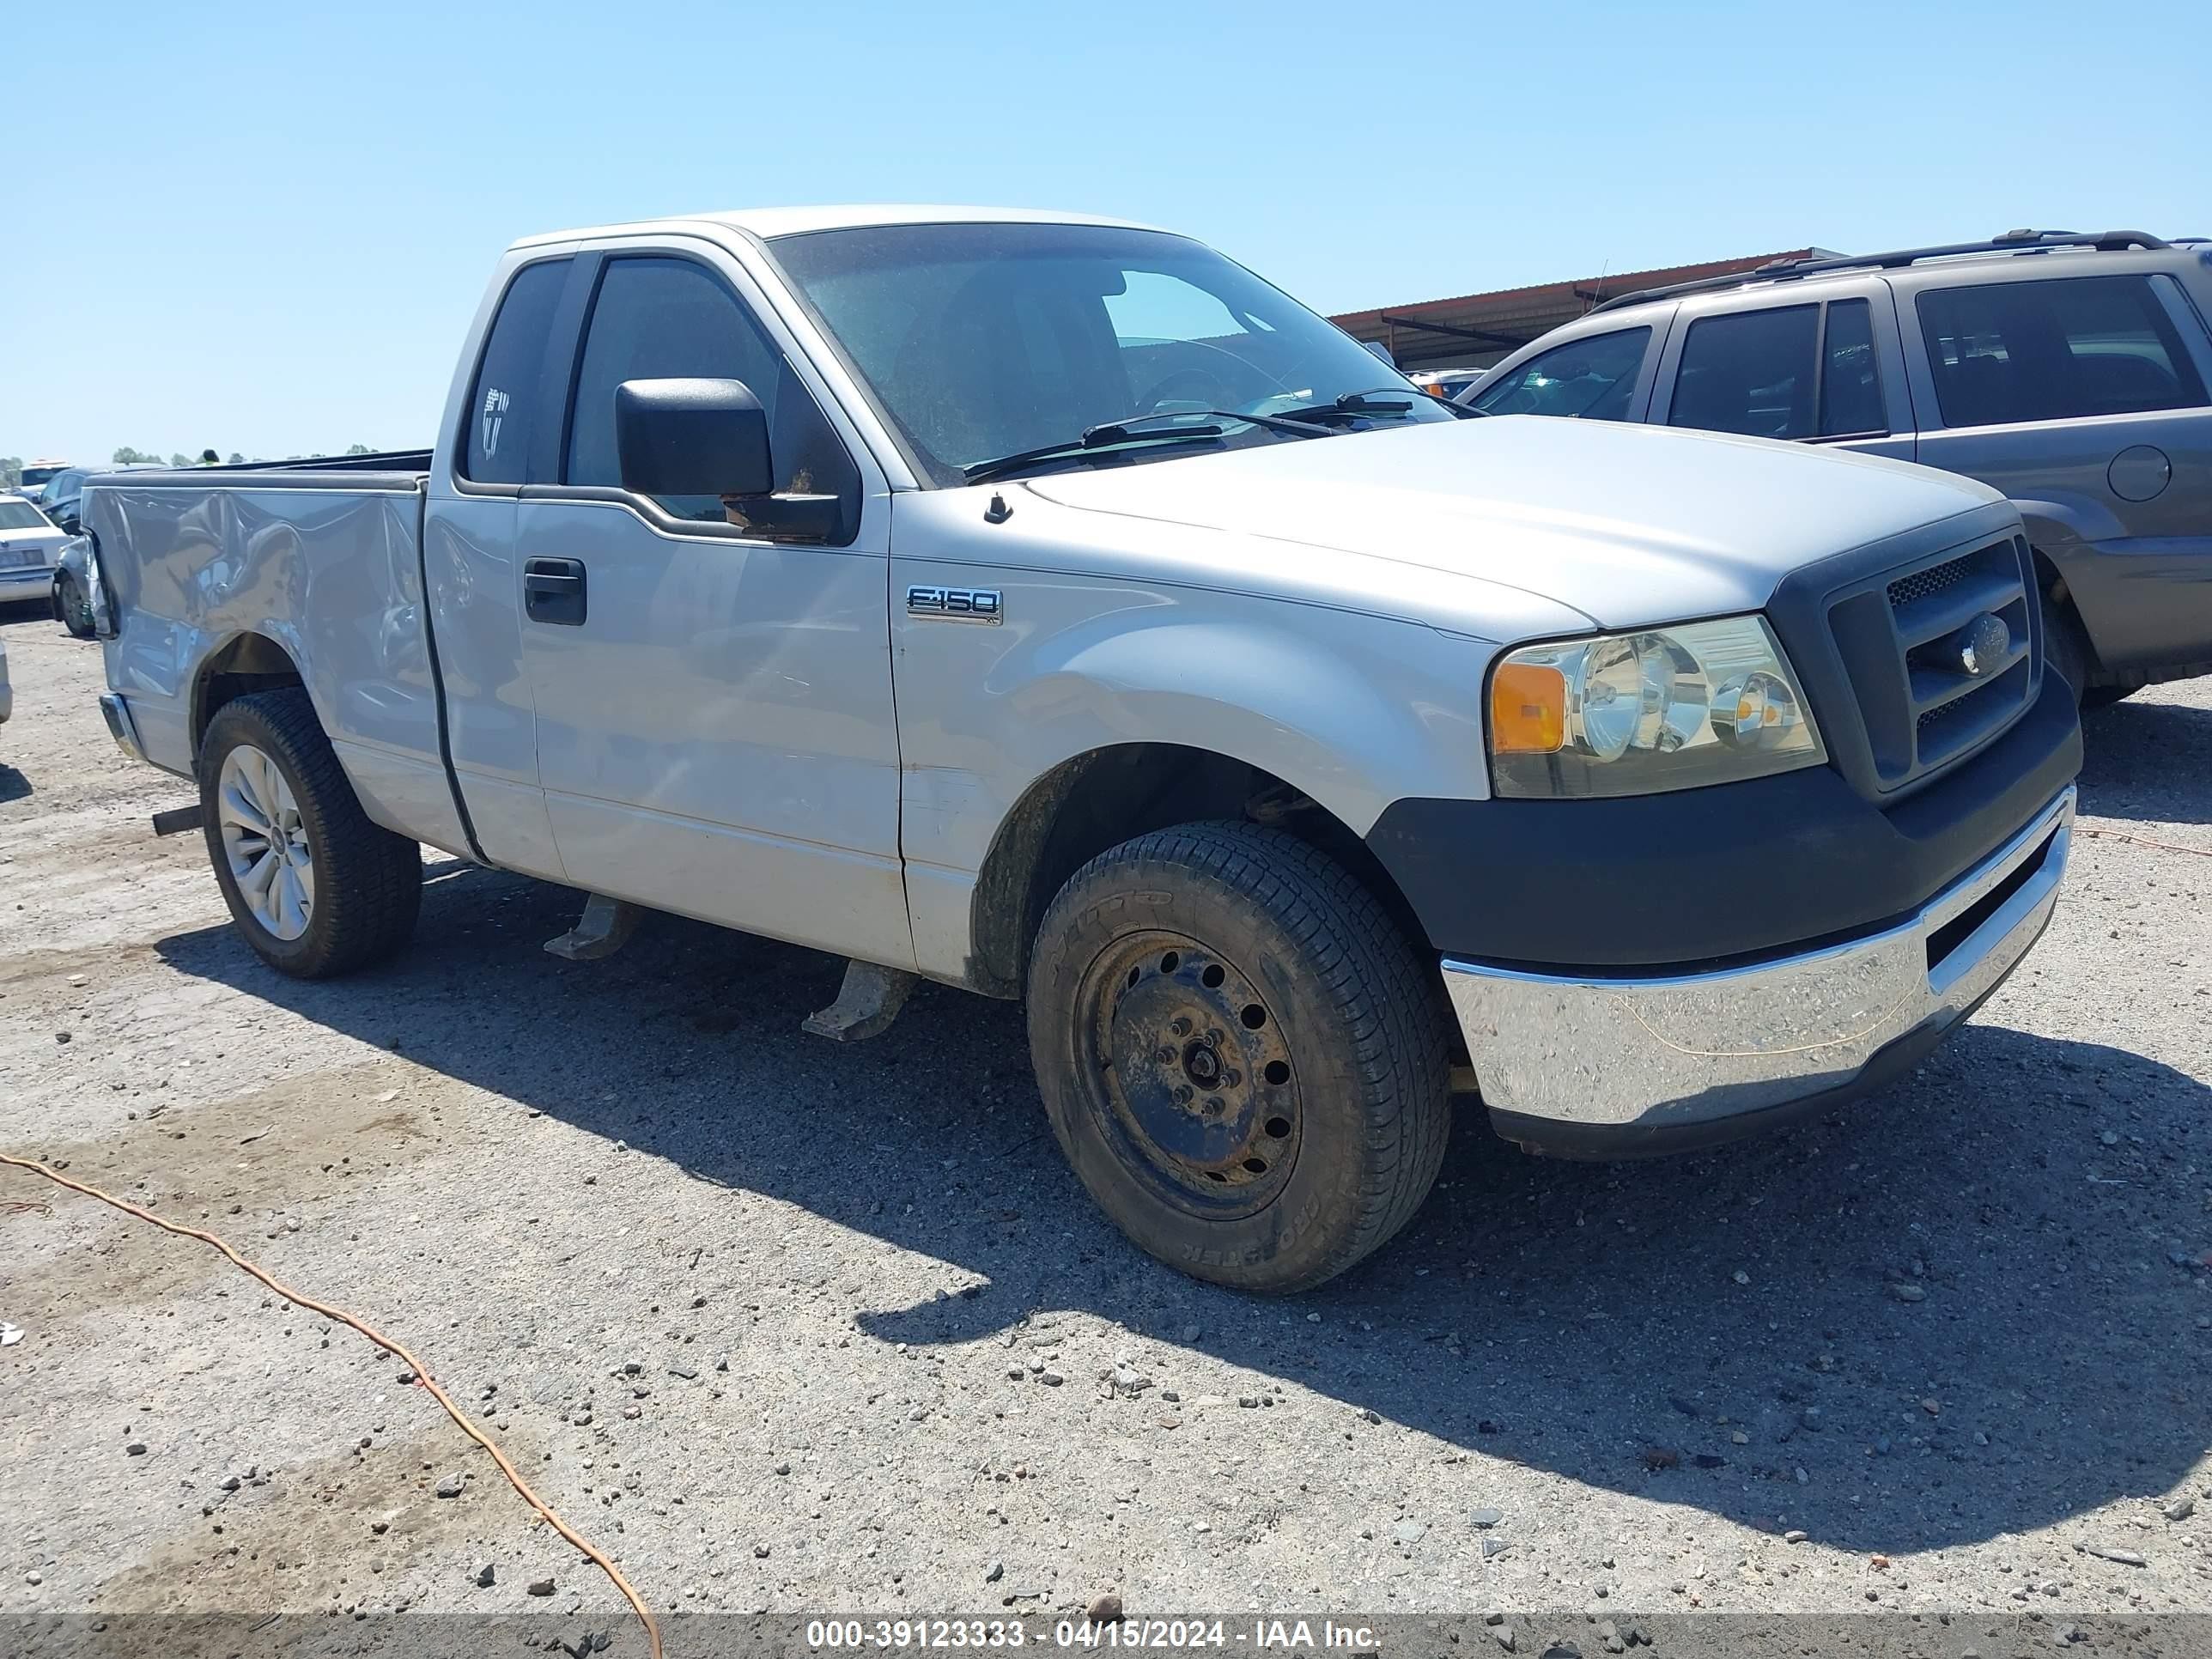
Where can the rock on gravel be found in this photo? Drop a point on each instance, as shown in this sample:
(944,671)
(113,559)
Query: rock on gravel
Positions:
(2108,1552)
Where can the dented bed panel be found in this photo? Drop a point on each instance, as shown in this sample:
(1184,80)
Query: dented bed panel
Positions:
(223,571)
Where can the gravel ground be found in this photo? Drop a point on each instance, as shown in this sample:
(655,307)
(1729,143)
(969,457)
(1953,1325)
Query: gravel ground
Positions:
(795,1327)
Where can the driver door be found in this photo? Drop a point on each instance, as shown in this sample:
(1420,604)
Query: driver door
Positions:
(715,733)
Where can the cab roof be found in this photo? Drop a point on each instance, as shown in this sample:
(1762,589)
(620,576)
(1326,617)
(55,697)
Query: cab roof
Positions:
(766,222)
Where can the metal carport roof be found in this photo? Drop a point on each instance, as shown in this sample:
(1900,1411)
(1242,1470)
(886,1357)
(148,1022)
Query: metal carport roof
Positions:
(1476,330)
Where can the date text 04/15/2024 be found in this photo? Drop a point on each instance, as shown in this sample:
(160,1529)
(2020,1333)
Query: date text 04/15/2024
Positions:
(831,1635)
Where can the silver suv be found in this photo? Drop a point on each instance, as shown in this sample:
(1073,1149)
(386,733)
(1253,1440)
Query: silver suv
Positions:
(2069,371)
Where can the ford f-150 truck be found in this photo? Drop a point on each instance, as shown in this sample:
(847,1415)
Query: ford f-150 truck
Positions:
(1047,607)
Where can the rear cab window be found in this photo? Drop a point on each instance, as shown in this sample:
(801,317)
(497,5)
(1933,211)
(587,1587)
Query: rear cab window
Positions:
(504,403)
(1793,371)
(1593,378)
(2057,348)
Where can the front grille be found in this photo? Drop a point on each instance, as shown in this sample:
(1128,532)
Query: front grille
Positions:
(1925,584)
(1899,644)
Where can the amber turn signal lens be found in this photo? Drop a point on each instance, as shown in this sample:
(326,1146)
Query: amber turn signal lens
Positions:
(1527,709)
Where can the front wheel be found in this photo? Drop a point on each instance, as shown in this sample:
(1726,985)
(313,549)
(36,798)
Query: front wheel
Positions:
(1242,1056)
(2065,647)
(314,886)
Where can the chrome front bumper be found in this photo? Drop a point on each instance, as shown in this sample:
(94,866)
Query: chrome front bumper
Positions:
(1623,1059)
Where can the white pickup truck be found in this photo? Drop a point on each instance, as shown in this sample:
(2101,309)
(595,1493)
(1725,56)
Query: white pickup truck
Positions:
(1047,607)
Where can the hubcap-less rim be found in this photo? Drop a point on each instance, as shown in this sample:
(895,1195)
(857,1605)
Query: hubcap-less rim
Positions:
(265,843)
(1192,1082)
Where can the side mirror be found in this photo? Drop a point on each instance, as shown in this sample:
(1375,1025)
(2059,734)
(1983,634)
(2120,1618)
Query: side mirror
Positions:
(1380,350)
(692,438)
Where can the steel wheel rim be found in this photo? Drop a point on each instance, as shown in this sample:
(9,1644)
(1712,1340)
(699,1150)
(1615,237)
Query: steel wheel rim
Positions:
(1188,1074)
(264,841)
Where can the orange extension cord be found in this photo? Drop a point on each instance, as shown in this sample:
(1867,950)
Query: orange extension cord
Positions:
(421,1374)
(2145,840)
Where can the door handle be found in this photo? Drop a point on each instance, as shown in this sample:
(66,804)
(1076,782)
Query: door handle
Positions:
(553,591)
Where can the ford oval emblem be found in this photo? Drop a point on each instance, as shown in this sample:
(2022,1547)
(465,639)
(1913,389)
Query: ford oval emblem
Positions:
(1982,645)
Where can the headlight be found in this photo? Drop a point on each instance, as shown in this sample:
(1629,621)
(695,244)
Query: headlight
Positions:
(1635,714)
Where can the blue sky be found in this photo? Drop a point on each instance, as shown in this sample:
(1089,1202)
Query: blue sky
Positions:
(264,228)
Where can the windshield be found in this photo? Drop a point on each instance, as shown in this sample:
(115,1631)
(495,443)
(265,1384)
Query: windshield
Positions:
(22,515)
(981,341)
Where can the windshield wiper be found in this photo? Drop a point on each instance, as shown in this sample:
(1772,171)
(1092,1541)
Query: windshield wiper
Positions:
(1110,433)
(1375,400)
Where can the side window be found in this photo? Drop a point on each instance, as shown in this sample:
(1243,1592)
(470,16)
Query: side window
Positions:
(1750,372)
(665,318)
(502,405)
(1592,378)
(2053,350)
(1850,384)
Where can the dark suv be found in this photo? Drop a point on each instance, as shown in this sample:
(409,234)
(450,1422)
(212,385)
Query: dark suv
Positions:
(2069,371)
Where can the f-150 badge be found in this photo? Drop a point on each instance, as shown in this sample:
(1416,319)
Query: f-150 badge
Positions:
(975,604)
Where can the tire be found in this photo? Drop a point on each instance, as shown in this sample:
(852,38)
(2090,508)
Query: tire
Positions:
(2065,647)
(1314,1129)
(72,608)
(363,885)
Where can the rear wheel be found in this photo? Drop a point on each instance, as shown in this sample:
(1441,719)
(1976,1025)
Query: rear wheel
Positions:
(1242,1057)
(71,607)
(315,888)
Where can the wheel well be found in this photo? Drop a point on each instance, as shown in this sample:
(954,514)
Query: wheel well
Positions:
(2052,584)
(243,665)
(1107,796)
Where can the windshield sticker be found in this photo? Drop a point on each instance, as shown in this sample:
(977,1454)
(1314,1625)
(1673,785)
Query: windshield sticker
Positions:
(495,416)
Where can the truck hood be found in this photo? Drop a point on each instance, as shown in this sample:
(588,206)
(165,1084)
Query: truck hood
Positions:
(1629,524)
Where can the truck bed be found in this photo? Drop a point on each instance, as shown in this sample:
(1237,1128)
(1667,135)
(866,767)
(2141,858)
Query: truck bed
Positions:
(273,571)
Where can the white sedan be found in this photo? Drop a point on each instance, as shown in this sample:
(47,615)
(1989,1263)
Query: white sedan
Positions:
(29,543)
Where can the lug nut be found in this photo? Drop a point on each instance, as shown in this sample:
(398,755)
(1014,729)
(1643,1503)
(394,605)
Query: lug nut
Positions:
(1182,1093)
(1181,1026)
(1213,1105)
(1165,1056)
(1233,1078)
(1213,1039)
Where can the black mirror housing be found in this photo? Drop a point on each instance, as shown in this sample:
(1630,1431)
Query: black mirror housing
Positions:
(692,437)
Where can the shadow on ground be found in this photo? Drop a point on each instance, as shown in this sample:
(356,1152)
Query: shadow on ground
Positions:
(2147,760)
(14,786)
(1575,1318)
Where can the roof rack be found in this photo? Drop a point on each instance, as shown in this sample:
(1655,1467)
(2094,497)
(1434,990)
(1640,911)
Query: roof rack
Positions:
(2013,241)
